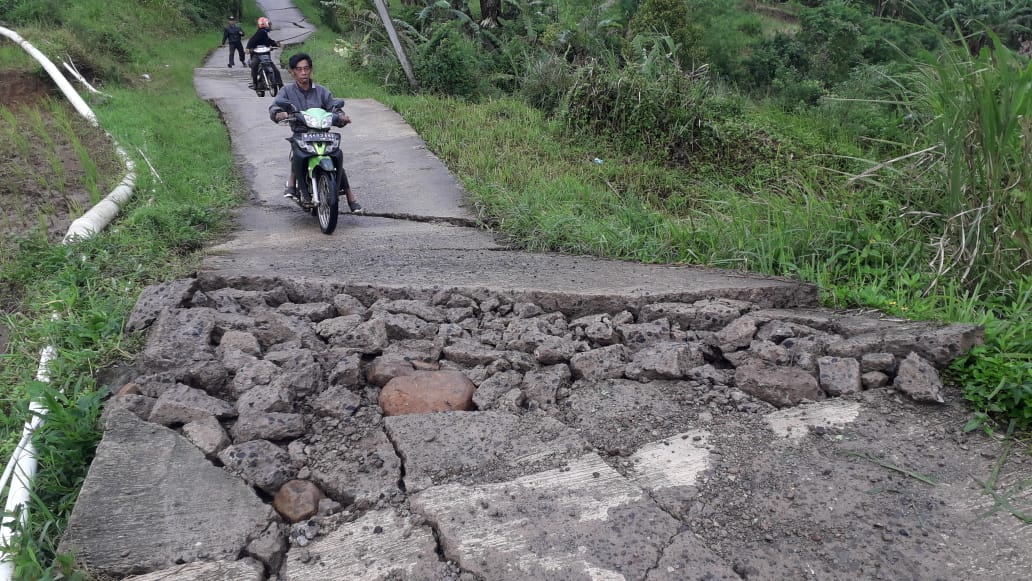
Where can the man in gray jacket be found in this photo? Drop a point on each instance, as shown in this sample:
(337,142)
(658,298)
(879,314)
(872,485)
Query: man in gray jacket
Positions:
(305,94)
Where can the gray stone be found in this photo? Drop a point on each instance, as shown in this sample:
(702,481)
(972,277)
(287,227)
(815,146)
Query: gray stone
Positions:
(135,490)
(259,372)
(542,384)
(140,405)
(347,371)
(493,387)
(241,341)
(884,362)
(713,315)
(471,353)
(242,570)
(358,467)
(638,336)
(667,360)
(179,336)
(401,326)
(378,546)
(272,328)
(711,374)
(874,380)
(183,404)
(386,368)
(918,379)
(584,521)
(770,352)
(938,345)
(314,312)
(596,328)
(555,350)
(479,447)
(260,463)
(839,375)
(347,305)
(265,398)
(364,336)
(737,334)
(172,295)
(777,385)
(419,309)
(267,426)
(602,363)
(336,402)
(269,547)
(208,435)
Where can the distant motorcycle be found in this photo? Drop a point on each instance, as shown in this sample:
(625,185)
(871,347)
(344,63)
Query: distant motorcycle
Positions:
(317,190)
(266,71)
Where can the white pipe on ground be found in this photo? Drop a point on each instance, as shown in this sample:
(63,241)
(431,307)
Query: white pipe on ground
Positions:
(22,466)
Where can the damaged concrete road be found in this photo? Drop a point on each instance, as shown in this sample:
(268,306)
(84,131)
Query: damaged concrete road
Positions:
(549,444)
(580,419)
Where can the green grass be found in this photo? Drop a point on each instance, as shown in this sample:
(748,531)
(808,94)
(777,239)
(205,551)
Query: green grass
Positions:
(92,286)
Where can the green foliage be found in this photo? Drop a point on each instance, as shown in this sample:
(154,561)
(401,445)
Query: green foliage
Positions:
(978,110)
(450,64)
(997,376)
(651,106)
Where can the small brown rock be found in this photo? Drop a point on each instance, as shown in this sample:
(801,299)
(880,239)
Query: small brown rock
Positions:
(426,392)
(298,500)
(131,388)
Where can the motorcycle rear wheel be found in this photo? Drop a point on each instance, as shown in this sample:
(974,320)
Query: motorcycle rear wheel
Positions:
(263,79)
(328,202)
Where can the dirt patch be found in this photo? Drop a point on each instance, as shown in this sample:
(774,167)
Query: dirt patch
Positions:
(53,166)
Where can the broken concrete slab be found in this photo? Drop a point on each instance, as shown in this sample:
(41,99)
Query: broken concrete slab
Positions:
(479,447)
(581,521)
(794,423)
(243,570)
(136,490)
(378,546)
(668,468)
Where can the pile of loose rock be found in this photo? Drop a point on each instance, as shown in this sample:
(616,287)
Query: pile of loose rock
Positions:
(317,395)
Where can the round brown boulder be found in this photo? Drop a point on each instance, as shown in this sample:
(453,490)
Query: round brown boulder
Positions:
(425,392)
(298,500)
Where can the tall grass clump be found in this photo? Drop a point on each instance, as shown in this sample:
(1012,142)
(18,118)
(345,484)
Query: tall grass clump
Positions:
(979,124)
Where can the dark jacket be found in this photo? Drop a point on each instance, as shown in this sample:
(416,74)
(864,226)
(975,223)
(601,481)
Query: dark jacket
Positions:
(261,38)
(292,95)
(232,34)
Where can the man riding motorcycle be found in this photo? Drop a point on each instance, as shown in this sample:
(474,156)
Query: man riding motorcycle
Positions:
(301,95)
(261,38)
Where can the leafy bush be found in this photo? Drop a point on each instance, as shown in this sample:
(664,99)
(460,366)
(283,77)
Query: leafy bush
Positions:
(649,107)
(997,376)
(450,64)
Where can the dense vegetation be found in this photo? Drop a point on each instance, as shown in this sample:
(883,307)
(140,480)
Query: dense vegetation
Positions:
(881,149)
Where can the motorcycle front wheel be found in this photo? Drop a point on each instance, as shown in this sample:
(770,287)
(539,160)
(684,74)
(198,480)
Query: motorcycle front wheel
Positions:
(328,201)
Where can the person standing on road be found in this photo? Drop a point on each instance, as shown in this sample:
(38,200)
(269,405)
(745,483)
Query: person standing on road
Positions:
(261,38)
(305,94)
(234,36)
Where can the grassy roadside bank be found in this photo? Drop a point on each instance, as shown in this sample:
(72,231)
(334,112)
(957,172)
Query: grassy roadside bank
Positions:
(177,208)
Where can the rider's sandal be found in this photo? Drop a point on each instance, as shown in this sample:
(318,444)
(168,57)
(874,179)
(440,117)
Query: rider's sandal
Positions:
(355,207)
(290,192)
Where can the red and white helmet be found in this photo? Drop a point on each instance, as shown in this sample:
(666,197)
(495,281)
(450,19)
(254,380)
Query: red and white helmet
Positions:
(263,22)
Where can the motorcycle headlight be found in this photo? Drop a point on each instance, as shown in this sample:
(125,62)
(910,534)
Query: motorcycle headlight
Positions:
(318,122)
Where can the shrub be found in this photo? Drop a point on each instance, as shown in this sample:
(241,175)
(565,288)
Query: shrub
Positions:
(450,64)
